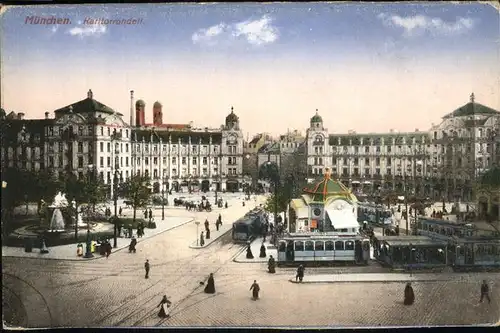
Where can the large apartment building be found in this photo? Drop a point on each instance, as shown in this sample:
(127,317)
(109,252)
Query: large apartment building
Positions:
(90,135)
(443,161)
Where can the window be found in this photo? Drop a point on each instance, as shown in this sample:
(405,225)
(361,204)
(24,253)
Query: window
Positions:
(101,161)
(299,246)
(319,246)
(126,161)
(183,160)
(349,246)
(80,147)
(329,246)
(174,160)
(80,161)
(388,149)
(309,246)
(146,161)
(109,131)
(109,161)
(51,161)
(282,247)
(101,147)
(155,160)
(204,161)
(193,149)
(195,160)
(126,147)
(138,161)
(229,160)
(339,245)
(108,147)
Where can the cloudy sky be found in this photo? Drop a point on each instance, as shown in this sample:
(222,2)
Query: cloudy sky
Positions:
(365,67)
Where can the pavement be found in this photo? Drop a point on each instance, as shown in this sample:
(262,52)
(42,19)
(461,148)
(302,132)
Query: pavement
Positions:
(68,252)
(114,292)
(380,278)
(271,250)
(214,235)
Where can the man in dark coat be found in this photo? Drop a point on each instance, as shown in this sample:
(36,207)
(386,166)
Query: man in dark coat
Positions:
(271,265)
(255,290)
(146,268)
(210,287)
(208,234)
(146,214)
(206,224)
(485,290)
(150,214)
(262,251)
(202,239)
(220,219)
(300,273)
(409,295)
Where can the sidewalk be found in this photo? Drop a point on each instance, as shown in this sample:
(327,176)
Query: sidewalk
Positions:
(214,235)
(271,250)
(378,277)
(68,252)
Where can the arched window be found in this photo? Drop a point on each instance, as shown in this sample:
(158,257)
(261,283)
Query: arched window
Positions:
(309,246)
(339,245)
(349,245)
(319,246)
(329,246)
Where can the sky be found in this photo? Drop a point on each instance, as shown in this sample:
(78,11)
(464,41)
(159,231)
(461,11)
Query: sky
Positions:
(365,67)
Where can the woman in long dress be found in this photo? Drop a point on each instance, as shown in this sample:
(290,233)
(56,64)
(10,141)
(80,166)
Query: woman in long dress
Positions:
(210,287)
(409,295)
(255,290)
(164,305)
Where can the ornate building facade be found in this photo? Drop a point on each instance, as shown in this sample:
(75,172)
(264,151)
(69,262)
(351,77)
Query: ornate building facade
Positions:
(441,162)
(90,135)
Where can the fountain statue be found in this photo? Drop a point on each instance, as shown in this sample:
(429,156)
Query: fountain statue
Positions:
(57,221)
(59,201)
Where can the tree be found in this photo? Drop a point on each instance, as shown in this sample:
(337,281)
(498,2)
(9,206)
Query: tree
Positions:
(136,190)
(282,202)
(45,186)
(94,188)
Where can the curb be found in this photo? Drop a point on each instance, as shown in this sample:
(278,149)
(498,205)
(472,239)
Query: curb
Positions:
(212,241)
(98,256)
(369,281)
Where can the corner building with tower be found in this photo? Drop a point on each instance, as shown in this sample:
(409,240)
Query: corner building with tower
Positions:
(88,135)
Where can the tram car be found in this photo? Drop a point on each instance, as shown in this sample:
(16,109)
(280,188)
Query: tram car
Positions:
(248,227)
(375,214)
(323,249)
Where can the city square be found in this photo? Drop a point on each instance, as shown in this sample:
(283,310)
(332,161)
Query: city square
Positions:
(270,187)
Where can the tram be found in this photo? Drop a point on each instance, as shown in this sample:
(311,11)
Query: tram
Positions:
(375,214)
(322,249)
(249,226)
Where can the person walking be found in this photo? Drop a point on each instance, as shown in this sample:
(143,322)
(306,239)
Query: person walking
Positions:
(300,273)
(146,268)
(485,292)
(255,288)
(164,305)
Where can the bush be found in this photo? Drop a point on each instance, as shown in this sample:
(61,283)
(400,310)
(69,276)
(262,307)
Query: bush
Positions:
(56,240)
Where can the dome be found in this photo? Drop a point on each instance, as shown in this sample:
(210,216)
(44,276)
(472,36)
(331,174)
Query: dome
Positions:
(327,188)
(232,117)
(157,105)
(139,103)
(316,118)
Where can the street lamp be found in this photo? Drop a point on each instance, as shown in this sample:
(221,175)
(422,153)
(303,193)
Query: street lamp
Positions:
(115,200)
(163,203)
(274,178)
(197,229)
(88,251)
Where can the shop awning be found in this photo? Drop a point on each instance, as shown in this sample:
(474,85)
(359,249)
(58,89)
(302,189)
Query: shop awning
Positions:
(342,219)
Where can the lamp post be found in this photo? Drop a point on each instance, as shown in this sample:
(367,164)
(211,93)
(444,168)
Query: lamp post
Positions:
(197,231)
(115,201)
(163,203)
(274,178)
(74,206)
(88,251)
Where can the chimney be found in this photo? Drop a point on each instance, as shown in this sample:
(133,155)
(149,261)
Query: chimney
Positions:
(131,108)
(47,115)
(90,95)
(20,116)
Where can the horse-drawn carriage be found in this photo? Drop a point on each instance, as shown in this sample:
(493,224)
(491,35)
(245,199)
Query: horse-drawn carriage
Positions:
(179,201)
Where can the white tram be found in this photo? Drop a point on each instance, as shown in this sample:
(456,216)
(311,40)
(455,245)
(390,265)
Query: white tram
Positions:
(323,249)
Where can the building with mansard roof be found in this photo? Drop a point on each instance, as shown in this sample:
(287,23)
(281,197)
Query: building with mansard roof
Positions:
(91,135)
(442,162)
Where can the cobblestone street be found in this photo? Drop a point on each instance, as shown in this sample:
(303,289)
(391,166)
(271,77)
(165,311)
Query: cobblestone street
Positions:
(113,291)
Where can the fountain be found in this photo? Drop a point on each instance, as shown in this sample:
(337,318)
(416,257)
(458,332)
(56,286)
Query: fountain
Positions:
(57,221)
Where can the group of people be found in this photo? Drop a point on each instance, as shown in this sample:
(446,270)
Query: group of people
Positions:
(105,248)
(206,234)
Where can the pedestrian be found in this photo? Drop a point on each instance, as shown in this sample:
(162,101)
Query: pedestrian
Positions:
(255,290)
(150,214)
(108,249)
(300,273)
(120,211)
(164,305)
(217,225)
(146,268)
(208,234)
(202,240)
(409,298)
(220,219)
(262,251)
(210,287)
(249,251)
(485,292)
(206,224)
(145,214)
